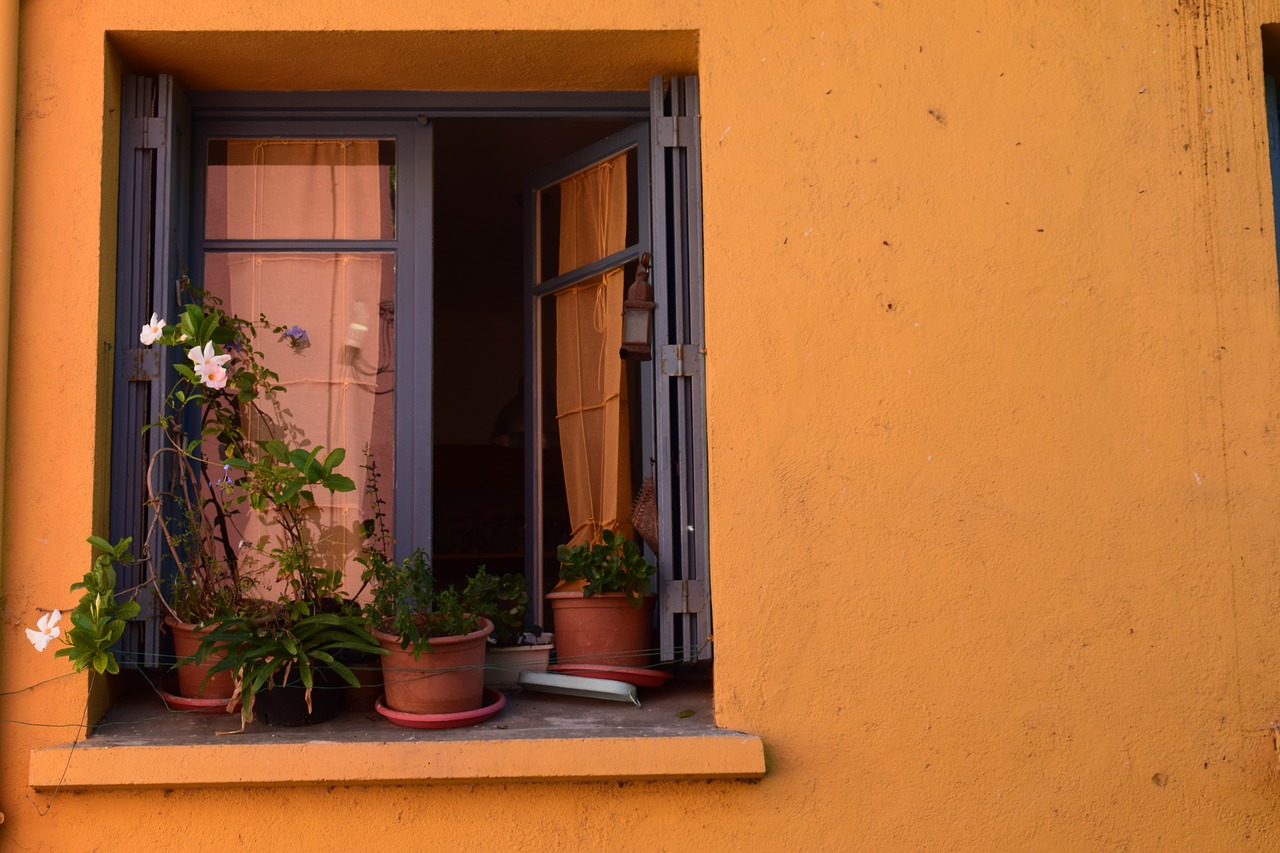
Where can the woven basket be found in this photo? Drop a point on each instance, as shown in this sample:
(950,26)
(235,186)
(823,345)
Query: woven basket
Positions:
(644,514)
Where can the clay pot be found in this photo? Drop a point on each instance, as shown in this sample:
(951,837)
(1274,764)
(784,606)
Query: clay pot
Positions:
(191,676)
(446,678)
(602,629)
(367,668)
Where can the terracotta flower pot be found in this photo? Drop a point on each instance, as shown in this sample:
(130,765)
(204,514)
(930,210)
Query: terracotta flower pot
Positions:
(602,629)
(191,676)
(446,678)
(367,668)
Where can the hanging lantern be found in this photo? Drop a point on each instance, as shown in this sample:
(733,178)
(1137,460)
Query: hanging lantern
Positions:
(637,315)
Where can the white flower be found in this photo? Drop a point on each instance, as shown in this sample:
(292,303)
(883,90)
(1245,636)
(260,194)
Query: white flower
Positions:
(209,366)
(151,331)
(49,630)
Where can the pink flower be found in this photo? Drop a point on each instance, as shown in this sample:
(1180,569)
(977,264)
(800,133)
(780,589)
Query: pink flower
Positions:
(49,630)
(215,376)
(209,367)
(151,331)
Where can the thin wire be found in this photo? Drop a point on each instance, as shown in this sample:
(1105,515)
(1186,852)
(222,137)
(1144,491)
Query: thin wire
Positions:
(48,806)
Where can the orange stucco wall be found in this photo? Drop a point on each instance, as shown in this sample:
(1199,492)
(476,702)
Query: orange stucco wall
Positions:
(994,391)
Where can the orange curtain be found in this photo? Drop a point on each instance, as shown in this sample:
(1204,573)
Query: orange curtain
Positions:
(591,405)
(314,189)
(300,189)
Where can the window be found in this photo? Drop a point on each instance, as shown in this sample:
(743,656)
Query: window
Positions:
(458,262)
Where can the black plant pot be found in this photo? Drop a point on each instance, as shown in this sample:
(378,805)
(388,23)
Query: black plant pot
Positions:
(286,704)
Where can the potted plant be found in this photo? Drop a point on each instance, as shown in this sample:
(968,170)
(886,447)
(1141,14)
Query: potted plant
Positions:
(287,664)
(189,485)
(228,436)
(300,642)
(434,649)
(294,644)
(502,600)
(602,608)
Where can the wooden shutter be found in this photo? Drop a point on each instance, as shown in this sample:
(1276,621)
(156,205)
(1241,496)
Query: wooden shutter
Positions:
(680,436)
(154,170)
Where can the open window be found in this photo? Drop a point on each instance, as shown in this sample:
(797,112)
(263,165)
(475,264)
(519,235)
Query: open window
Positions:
(459,273)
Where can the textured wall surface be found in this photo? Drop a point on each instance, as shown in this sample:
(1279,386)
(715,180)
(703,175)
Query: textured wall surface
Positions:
(994,390)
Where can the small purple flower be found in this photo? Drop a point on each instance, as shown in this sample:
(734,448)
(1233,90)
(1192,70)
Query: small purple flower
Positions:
(225,482)
(296,336)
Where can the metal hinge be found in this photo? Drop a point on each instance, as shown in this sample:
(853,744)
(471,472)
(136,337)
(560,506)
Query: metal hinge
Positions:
(684,597)
(141,365)
(680,360)
(675,132)
(146,132)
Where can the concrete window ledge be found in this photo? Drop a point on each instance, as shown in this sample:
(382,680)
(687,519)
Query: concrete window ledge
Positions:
(537,737)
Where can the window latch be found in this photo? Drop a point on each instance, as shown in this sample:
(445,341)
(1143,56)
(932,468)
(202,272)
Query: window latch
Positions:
(141,365)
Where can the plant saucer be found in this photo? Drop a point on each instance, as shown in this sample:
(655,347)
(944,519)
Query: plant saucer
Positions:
(631,675)
(493,699)
(201,705)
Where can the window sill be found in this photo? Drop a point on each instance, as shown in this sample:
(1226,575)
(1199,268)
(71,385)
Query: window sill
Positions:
(537,737)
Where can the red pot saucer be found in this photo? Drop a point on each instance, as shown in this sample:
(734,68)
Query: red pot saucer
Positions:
(203,706)
(493,699)
(631,675)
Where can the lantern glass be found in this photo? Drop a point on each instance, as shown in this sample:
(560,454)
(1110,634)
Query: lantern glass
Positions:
(635,327)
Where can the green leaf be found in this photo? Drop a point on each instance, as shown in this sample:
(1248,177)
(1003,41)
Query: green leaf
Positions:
(339,483)
(261,676)
(334,459)
(101,544)
(277,450)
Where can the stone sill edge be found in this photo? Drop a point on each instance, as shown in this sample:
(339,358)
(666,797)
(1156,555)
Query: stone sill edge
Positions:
(720,756)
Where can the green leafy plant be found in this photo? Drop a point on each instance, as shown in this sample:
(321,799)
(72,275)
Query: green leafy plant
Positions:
(406,603)
(222,387)
(98,620)
(265,652)
(499,598)
(233,446)
(614,564)
(246,455)
(280,481)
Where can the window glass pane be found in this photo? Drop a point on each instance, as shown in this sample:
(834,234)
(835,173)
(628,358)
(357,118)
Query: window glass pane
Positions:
(587,216)
(300,189)
(338,384)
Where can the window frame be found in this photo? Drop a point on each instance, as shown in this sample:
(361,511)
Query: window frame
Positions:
(683,583)
(413,275)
